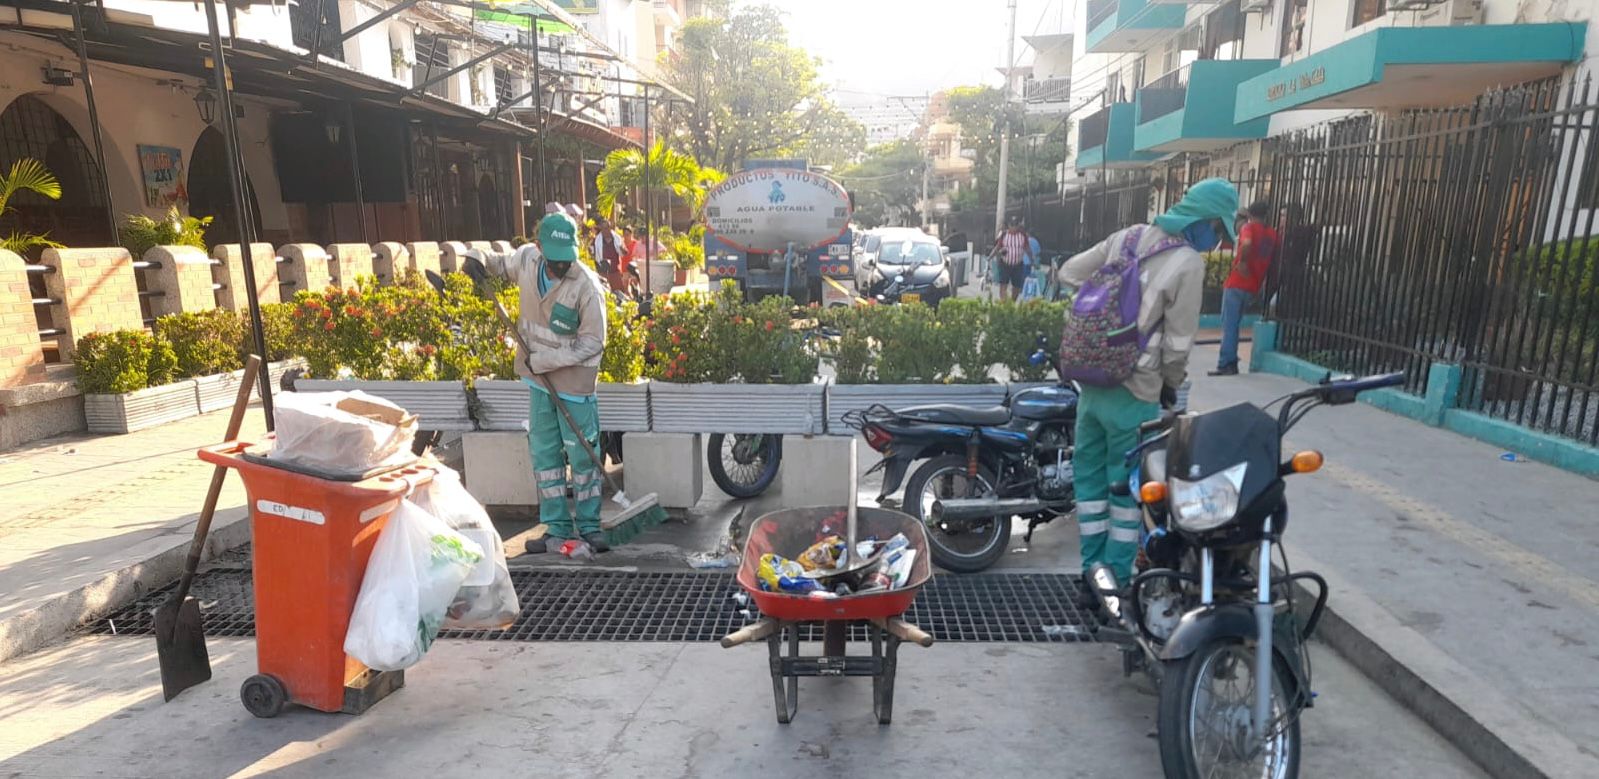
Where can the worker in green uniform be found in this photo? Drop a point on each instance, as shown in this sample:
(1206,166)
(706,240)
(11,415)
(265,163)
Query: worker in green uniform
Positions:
(1171,284)
(562,319)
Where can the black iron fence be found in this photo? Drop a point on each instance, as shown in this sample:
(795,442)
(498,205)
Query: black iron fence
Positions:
(1456,235)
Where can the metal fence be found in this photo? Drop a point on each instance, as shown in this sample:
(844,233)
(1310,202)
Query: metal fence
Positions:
(1454,235)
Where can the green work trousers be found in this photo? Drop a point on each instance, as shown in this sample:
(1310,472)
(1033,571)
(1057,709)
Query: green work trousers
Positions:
(1107,427)
(554,446)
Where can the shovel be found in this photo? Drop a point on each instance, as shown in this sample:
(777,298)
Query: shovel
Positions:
(179,634)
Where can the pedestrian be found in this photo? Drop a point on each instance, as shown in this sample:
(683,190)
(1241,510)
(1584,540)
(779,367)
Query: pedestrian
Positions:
(562,318)
(1034,260)
(1256,246)
(1298,241)
(607,250)
(1171,284)
(1013,250)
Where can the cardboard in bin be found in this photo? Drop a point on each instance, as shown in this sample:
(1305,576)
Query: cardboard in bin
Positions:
(341,432)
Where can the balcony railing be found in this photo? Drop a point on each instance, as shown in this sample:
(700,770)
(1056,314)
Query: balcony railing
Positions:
(1099,11)
(1047,90)
(1164,95)
(1094,129)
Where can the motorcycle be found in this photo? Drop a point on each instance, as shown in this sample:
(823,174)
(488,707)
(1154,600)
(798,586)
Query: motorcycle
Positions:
(980,468)
(1218,630)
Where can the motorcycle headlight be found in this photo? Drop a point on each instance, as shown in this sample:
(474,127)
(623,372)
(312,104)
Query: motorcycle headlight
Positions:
(942,281)
(1198,506)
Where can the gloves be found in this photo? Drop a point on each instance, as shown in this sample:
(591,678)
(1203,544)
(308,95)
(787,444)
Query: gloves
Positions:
(1168,396)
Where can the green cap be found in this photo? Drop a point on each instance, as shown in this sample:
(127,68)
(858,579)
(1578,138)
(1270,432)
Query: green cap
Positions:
(558,238)
(1213,198)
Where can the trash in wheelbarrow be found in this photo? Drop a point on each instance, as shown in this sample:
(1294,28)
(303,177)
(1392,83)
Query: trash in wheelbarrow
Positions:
(894,569)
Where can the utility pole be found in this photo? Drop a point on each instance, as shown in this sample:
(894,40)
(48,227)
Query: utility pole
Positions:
(1004,123)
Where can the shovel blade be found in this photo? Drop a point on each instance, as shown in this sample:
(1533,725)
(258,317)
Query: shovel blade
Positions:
(180,645)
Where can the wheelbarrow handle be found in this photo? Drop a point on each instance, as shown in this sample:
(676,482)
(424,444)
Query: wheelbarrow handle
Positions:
(904,631)
(754,631)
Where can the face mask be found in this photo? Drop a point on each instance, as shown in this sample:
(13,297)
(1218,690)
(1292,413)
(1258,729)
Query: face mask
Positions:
(559,269)
(1202,235)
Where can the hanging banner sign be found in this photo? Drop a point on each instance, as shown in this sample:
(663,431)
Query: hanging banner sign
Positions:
(162,167)
(767,209)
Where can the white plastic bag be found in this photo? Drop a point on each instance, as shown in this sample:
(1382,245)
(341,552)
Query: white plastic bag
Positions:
(341,432)
(416,568)
(487,599)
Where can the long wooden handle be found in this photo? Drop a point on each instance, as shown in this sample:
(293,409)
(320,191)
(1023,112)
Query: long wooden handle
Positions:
(241,404)
(905,631)
(754,631)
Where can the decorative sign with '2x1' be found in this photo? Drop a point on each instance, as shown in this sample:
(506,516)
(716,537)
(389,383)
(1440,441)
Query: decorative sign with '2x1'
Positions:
(767,209)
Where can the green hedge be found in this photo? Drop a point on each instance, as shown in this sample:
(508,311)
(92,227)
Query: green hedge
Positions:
(960,342)
(123,361)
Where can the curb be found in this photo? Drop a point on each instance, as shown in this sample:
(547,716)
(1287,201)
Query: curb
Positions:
(1475,717)
(54,618)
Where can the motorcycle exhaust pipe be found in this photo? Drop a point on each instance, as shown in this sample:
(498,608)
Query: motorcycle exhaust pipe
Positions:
(957,509)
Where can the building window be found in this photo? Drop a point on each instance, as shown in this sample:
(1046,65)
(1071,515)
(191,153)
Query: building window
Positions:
(1224,34)
(303,24)
(1367,10)
(432,59)
(502,85)
(1296,13)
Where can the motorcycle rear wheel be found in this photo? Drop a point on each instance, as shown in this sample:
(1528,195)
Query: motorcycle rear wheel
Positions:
(1197,720)
(743,465)
(937,479)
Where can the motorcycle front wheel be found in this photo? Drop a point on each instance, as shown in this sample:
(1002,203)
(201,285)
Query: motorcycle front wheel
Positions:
(743,465)
(964,547)
(1206,701)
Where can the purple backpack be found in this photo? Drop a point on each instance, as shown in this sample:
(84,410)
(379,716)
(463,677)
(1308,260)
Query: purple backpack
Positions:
(1100,343)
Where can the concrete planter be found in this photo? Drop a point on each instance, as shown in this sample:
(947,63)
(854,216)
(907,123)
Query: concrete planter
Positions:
(737,408)
(843,398)
(140,409)
(502,405)
(440,405)
(218,391)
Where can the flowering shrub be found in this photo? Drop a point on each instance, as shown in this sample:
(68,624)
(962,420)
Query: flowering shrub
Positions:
(122,361)
(623,360)
(204,342)
(719,338)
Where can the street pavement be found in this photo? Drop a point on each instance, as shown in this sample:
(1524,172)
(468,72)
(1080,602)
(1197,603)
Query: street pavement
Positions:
(629,710)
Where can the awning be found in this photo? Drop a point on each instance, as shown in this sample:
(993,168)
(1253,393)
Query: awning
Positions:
(1414,67)
(577,127)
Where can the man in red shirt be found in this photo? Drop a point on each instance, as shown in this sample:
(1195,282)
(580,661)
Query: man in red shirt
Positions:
(1257,245)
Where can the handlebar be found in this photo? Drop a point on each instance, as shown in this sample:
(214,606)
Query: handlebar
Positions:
(1164,421)
(1345,390)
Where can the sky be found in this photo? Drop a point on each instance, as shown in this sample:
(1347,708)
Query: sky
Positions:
(874,48)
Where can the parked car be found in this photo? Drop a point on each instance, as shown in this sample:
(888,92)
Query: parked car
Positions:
(902,265)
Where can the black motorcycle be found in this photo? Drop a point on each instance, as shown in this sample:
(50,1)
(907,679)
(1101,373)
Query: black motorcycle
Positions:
(980,467)
(1209,616)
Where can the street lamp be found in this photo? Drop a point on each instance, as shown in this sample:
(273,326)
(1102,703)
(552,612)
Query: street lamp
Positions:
(206,102)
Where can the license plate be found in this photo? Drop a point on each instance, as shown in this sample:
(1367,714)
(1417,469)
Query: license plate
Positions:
(911,297)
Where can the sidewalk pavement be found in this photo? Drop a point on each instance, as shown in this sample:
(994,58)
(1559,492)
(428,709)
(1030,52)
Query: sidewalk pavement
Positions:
(1466,584)
(630,710)
(92,522)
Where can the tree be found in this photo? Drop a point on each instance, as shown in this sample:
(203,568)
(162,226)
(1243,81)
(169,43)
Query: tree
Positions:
(670,170)
(886,183)
(27,175)
(978,110)
(755,94)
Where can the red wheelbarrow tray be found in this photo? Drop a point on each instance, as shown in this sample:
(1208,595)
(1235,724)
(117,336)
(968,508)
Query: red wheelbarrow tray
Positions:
(788,532)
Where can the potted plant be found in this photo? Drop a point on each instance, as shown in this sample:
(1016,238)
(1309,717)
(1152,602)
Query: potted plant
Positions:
(720,365)
(126,380)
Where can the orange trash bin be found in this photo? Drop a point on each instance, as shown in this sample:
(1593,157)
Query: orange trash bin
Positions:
(311,540)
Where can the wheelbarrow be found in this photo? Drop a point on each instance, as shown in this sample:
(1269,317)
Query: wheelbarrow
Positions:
(788,532)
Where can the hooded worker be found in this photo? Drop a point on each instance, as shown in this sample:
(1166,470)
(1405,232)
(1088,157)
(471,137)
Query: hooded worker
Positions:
(1171,276)
(562,319)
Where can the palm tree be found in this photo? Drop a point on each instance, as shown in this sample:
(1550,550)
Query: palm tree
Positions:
(668,169)
(27,174)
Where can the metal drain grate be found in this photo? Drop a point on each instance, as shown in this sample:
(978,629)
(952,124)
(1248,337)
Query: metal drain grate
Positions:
(611,606)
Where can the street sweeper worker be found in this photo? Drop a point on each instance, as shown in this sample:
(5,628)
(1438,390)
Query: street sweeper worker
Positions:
(562,319)
(1117,396)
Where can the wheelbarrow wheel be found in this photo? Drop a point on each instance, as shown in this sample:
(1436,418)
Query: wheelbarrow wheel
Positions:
(263,696)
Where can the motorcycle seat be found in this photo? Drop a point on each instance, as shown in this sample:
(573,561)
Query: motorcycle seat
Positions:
(949,414)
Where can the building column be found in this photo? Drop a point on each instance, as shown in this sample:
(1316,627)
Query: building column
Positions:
(21,351)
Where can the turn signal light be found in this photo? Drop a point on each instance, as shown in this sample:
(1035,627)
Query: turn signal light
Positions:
(1308,461)
(1152,492)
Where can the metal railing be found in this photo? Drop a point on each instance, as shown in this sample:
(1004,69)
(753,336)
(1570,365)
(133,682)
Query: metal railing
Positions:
(1164,95)
(1094,129)
(1455,235)
(1047,90)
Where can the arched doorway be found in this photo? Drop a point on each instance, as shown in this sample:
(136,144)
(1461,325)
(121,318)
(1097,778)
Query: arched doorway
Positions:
(29,128)
(210,191)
